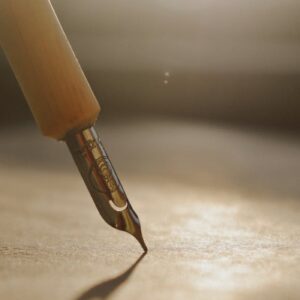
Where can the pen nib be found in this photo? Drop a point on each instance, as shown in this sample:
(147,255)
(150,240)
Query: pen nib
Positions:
(140,239)
(103,182)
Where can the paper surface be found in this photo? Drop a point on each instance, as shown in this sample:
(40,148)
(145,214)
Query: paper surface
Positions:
(219,207)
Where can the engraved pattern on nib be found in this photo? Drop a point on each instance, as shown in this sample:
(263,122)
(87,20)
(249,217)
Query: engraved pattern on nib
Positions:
(102,165)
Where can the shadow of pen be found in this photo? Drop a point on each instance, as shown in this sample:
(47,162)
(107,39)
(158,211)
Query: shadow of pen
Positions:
(105,288)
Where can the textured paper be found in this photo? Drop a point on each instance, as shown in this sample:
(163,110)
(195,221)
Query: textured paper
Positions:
(219,209)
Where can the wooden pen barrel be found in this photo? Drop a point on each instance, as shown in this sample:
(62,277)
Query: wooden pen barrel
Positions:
(46,67)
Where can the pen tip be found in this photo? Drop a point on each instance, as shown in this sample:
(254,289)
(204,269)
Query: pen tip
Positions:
(142,243)
(139,237)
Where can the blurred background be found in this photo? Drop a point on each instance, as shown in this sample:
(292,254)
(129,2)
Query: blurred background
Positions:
(201,117)
(234,61)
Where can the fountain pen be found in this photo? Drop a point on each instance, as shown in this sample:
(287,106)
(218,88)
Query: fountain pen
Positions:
(62,102)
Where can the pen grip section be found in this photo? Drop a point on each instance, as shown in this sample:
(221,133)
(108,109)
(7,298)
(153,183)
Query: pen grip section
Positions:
(46,67)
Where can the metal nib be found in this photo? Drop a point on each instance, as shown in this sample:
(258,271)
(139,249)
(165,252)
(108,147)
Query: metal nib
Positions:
(103,182)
